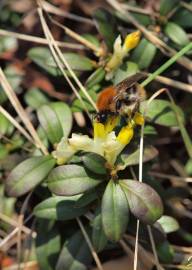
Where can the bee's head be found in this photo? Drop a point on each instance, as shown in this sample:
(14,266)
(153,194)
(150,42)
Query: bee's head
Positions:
(101,117)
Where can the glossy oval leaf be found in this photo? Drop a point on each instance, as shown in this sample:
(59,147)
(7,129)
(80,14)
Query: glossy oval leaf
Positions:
(35,98)
(48,244)
(161,112)
(176,34)
(43,58)
(96,77)
(144,202)
(99,238)
(169,224)
(165,252)
(95,163)
(59,208)
(76,61)
(126,70)
(68,180)
(182,17)
(56,120)
(167,6)
(75,254)
(64,116)
(129,159)
(87,198)
(142,18)
(28,174)
(144,53)
(114,211)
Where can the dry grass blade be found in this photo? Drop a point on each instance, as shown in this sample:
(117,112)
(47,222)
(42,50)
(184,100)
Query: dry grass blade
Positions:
(19,236)
(40,40)
(176,84)
(170,176)
(21,112)
(186,138)
(18,227)
(141,173)
(80,39)
(93,252)
(62,58)
(159,267)
(16,124)
(56,57)
(56,11)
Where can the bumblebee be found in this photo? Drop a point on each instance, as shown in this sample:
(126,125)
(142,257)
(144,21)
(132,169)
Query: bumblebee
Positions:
(123,99)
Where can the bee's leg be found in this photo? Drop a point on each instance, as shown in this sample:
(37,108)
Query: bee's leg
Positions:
(118,105)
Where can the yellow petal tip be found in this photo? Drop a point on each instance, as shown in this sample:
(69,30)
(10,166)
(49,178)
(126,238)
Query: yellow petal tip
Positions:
(132,40)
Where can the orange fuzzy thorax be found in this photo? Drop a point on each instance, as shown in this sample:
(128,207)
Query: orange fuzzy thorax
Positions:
(105,98)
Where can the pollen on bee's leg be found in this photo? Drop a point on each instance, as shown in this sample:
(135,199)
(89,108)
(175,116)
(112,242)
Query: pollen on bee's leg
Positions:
(138,119)
(126,134)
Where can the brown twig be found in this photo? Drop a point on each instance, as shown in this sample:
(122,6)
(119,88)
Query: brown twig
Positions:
(93,252)
(21,112)
(40,40)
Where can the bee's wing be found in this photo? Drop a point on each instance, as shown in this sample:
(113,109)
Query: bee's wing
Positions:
(128,82)
(122,86)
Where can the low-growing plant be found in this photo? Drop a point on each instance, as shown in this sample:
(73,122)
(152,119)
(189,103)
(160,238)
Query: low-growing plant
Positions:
(92,187)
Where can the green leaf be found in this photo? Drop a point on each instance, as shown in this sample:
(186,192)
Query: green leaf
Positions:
(188,167)
(176,34)
(8,44)
(99,238)
(95,163)
(165,252)
(114,211)
(92,38)
(64,115)
(14,77)
(59,208)
(4,125)
(107,27)
(160,112)
(75,254)
(96,77)
(35,98)
(144,202)
(87,198)
(3,152)
(130,159)
(56,120)
(48,244)
(70,180)
(77,105)
(126,70)
(142,18)
(167,6)
(43,58)
(169,224)
(144,54)
(182,17)
(28,174)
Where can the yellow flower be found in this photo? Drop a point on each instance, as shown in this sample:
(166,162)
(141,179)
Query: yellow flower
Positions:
(121,51)
(104,142)
(132,40)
